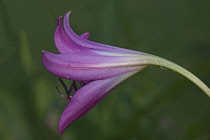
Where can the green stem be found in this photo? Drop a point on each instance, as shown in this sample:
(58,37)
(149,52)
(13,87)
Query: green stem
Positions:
(158,61)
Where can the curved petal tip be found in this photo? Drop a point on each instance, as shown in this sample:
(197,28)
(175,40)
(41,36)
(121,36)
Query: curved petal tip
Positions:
(60,132)
(85,35)
(68,13)
(59,20)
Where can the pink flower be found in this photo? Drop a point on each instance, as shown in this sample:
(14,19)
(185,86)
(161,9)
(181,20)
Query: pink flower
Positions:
(101,67)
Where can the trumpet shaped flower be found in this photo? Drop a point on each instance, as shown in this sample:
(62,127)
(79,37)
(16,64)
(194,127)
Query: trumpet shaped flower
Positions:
(99,68)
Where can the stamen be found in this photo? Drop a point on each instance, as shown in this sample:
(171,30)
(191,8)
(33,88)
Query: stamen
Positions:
(65,87)
(62,94)
(82,83)
(68,91)
(73,86)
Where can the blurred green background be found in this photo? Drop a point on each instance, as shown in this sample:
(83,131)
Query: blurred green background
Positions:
(155,104)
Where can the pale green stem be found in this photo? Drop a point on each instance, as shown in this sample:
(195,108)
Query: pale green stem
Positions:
(158,61)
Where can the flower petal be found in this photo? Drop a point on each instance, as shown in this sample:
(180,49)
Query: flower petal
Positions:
(90,44)
(65,44)
(85,35)
(87,97)
(82,67)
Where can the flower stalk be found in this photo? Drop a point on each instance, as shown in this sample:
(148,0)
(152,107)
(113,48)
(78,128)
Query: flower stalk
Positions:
(158,61)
